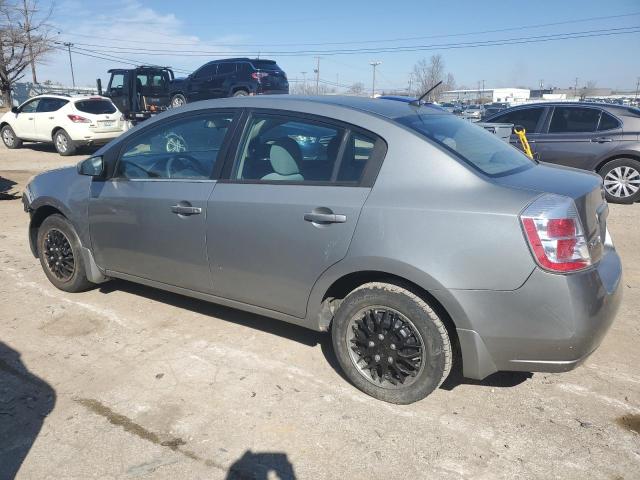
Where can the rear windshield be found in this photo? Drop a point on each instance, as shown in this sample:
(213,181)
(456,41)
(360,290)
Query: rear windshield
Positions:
(97,107)
(473,144)
(265,65)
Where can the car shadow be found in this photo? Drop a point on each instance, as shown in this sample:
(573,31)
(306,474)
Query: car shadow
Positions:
(25,402)
(291,332)
(261,466)
(49,148)
(6,185)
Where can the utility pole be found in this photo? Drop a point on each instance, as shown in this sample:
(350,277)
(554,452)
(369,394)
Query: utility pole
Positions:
(374,64)
(304,82)
(317,72)
(482,93)
(27,28)
(73,78)
(575,88)
(637,87)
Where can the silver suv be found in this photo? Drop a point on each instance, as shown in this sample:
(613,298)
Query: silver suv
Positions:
(408,233)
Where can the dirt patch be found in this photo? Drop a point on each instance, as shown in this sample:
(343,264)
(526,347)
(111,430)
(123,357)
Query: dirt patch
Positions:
(72,325)
(630,422)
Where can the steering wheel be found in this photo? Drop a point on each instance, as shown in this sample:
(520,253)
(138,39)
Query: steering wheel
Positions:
(182,160)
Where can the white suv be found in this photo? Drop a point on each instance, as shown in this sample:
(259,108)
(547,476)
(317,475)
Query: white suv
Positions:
(67,122)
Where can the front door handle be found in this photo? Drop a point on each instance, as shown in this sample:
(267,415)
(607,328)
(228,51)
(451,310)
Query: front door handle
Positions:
(186,210)
(325,218)
(602,140)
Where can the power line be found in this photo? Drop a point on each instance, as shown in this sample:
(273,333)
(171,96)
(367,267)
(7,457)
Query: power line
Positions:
(406,48)
(360,42)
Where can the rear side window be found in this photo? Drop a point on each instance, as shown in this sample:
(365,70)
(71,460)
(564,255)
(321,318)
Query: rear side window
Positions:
(357,153)
(187,148)
(473,144)
(574,120)
(524,117)
(96,107)
(51,104)
(607,122)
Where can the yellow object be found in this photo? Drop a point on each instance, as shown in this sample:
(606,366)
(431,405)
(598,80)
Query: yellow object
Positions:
(521,133)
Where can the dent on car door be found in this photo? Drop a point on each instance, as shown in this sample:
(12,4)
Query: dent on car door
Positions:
(288,209)
(574,137)
(149,220)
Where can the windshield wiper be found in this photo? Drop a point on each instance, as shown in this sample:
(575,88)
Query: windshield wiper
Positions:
(418,102)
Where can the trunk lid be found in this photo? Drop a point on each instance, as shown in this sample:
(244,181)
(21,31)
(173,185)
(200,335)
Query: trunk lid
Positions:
(585,188)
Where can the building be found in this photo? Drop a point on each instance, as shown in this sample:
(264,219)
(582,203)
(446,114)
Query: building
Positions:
(487,95)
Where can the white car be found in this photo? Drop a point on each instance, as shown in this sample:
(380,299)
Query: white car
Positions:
(66,121)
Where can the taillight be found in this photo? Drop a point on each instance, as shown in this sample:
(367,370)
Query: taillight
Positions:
(78,119)
(259,75)
(554,231)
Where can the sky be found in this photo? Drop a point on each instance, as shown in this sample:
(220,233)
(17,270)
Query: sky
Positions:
(186,34)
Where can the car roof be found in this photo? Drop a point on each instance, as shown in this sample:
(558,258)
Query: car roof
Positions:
(604,106)
(68,97)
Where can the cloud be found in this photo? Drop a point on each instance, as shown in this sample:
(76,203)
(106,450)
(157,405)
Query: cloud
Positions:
(119,33)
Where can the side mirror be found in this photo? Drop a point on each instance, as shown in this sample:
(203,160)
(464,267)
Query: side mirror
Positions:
(15,110)
(92,167)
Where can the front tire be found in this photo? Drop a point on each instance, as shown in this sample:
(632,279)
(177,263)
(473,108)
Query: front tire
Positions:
(390,343)
(240,93)
(621,178)
(9,138)
(63,143)
(60,255)
(178,100)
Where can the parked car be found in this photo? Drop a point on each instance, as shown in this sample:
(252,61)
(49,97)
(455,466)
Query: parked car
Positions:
(598,137)
(473,112)
(409,233)
(232,77)
(139,92)
(67,122)
(491,110)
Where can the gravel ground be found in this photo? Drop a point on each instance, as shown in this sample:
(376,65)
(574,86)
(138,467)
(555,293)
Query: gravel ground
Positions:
(127,381)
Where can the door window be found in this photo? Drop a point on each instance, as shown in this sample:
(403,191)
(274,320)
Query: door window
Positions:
(207,71)
(357,153)
(607,122)
(278,148)
(51,104)
(525,117)
(30,107)
(574,120)
(184,149)
(226,68)
(117,84)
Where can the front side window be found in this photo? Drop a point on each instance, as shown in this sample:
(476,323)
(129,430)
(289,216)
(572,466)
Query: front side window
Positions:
(117,82)
(479,148)
(278,148)
(30,107)
(226,68)
(187,148)
(527,118)
(207,71)
(574,120)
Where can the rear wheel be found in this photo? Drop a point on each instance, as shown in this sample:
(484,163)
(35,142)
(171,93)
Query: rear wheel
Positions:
(9,137)
(621,178)
(240,93)
(63,143)
(178,100)
(390,343)
(59,254)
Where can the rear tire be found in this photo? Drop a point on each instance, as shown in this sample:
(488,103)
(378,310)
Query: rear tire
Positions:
(240,93)
(178,100)
(63,143)
(9,138)
(60,255)
(390,343)
(621,179)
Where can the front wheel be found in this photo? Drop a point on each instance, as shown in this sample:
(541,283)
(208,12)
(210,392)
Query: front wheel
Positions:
(621,179)
(9,138)
(390,343)
(178,100)
(63,143)
(240,93)
(59,254)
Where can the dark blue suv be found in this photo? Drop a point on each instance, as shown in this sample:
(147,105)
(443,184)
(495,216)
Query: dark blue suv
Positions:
(231,77)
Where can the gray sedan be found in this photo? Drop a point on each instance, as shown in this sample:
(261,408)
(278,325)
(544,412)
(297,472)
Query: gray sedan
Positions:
(408,233)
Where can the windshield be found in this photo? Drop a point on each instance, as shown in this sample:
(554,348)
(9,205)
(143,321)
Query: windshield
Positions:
(473,144)
(265,65)
(96,107)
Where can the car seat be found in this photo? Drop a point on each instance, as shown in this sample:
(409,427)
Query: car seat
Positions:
(285,156)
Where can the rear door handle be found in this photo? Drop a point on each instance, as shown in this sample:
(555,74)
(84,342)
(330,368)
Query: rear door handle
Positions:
(602,140)
(325,218)
(186,210)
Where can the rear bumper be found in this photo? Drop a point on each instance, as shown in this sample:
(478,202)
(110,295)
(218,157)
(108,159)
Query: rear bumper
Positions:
(96,138)
(550,324)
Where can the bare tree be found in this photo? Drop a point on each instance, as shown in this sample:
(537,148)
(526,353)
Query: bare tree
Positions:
(588,90)
(356,88)
(309,88)
(426,73)
(25,39)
